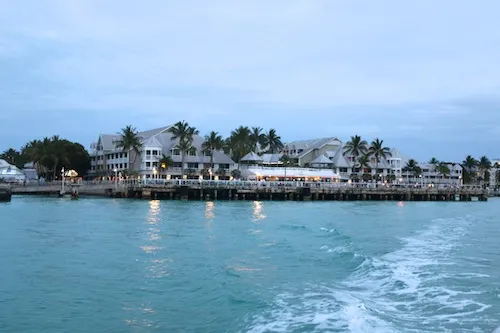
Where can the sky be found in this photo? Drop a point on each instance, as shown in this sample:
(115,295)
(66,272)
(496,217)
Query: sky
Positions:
(424,76)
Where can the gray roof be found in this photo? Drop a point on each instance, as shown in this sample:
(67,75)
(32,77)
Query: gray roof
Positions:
(340,160)
(321,159)
(152,142)
(271,158)
(251,157)
(108,140)
(307,145)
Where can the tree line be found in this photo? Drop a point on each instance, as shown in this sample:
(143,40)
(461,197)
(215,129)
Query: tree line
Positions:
(49,156)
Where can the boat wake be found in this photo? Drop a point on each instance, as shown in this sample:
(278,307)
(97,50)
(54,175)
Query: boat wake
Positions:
(408,290)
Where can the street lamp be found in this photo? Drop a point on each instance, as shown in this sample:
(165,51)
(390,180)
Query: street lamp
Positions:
(116,178)
(210,173)
(154,172)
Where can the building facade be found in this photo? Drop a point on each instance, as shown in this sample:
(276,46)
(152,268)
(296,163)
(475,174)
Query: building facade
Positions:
(107,159)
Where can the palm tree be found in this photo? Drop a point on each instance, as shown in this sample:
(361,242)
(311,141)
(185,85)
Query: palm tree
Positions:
(12,156)
(184,133)
(258,139)
(484,165)
(165,162)
(355,148)
(434,162)
(239,143)
(364,162)
(213,142)
(468,166)
(411,167)
(129,141)
(443,169)
(273,142)
(378,151)
(469,163)
(286,162)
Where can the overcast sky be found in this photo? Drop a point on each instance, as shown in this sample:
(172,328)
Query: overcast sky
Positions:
(424,76)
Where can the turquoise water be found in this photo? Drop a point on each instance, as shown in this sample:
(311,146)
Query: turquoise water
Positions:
(103,265)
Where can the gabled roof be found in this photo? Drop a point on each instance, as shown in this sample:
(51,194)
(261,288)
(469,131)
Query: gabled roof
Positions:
(152,142)
(308,145)
(251,157)
(321,159)
(108,141)
(340,161)
(271,158)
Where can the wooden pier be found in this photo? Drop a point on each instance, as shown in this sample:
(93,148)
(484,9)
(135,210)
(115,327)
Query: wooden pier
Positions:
(252,190)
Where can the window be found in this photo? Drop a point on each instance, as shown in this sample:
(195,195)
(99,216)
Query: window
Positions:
(223,166)
(176,152)
(125,165)
(148,164)
(121,165)
(206,165)
(93,167)
(155,152)
(380,170)
(148,152)
(125,155)
(109,166)
(192,165)
(121,155)
(177,165)
(343,169)
(300,150)
(155,164)
(116,155)
(207,153)
(192,152)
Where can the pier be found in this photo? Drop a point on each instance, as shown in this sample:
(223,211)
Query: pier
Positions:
(255,190)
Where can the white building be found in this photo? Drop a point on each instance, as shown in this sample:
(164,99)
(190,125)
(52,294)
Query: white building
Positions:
(11,173)
(106,157)
(328,153)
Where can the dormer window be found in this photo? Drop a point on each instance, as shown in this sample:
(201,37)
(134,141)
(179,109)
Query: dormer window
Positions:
(192,152)
(176,152)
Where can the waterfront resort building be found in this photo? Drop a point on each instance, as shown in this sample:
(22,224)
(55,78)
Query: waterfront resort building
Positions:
(324,159)
(108,159)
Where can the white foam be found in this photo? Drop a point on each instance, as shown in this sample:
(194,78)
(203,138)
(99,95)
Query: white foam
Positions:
(402,291)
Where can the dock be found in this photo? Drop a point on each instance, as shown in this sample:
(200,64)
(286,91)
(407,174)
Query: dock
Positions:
(254,190)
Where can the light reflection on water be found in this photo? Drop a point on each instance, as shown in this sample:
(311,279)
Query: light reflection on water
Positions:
(209,212)
(157,268)
(258,211)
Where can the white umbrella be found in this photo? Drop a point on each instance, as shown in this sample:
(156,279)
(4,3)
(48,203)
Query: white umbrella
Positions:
(71,173)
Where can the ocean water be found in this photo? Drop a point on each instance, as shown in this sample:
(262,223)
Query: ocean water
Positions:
(104,265)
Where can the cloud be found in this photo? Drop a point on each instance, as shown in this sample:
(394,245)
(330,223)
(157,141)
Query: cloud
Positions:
(409,72)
